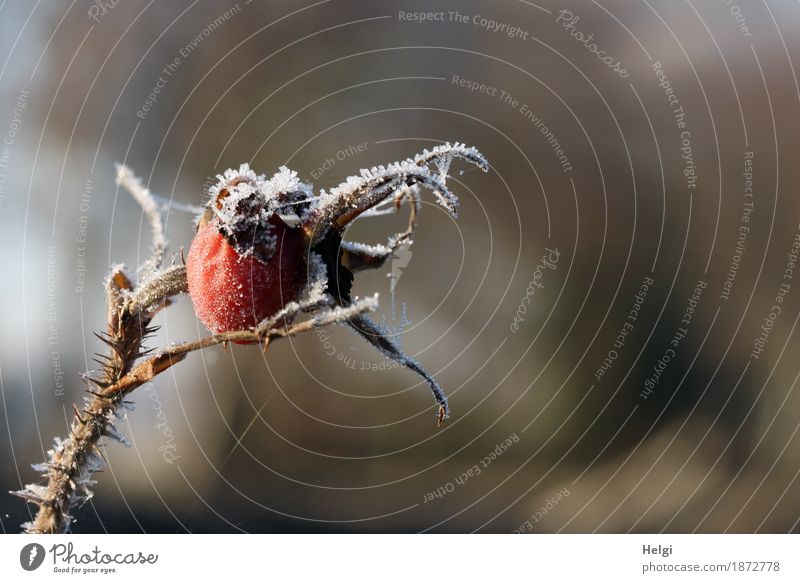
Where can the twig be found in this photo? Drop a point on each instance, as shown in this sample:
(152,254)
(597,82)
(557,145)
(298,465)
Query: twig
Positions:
(73,461)
(131,308)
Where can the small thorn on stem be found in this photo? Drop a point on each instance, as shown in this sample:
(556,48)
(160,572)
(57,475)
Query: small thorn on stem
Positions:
(442,416)
(78,415)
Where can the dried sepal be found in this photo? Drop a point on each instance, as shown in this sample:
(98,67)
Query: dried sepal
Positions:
(244,206)
(378,337)
(443,154)
(360,256)
(357,194)
(337,208)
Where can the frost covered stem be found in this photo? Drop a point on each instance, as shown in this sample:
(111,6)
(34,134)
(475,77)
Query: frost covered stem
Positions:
(130,311)
(72,461)
(127,365)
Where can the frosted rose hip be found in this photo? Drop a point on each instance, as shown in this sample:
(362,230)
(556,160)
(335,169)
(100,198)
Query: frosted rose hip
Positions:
(231,291)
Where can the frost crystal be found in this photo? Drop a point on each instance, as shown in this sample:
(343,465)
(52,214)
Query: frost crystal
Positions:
(128,180)
(344,313)
(363,193)
(245,202)
(317,280)
(288,194)
(371,250)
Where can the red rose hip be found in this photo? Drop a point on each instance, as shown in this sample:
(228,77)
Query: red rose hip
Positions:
(234,292)
(245,263)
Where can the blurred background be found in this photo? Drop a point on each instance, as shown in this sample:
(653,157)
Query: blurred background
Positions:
(613,314)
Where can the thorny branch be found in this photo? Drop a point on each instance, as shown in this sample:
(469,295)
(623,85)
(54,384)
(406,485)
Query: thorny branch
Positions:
(131,308)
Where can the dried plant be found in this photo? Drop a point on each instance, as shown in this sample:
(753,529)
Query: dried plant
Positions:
(248,212)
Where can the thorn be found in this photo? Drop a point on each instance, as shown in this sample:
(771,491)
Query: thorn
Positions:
(99,383)
(266,342)
(102,361)
(98,452)
(30,497)
(442,416)
(98,395)
(78,414)
(104,338)
(183,259)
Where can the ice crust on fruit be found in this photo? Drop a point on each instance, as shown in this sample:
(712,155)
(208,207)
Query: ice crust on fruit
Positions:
(244,203)
(233,291)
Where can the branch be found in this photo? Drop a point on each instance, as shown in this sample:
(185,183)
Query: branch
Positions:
(147,200)
(131,309)
(358,194)
(73,461)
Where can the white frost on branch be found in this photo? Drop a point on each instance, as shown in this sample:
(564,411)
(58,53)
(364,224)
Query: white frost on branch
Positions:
(364,193)
(376,251)
(152,210)
(344,313)
(317,280)
(287,191)
(446,152)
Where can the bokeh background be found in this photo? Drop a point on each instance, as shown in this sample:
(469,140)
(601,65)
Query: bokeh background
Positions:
(600,432)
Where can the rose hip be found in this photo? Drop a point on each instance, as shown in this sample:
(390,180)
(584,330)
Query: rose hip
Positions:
(231,291)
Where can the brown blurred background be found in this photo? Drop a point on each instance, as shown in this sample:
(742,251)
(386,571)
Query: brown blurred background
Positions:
(320,434)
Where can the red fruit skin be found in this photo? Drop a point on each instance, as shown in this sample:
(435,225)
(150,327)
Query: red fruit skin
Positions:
(235,292)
